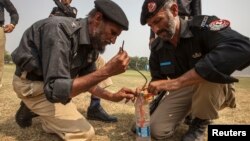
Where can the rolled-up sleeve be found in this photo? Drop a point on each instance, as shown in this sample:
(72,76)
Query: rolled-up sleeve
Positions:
(229,51)
(208,71)
(56,54)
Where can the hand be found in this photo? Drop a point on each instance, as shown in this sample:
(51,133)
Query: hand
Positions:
(8,28)
(141,90)
(118,64)
(123,93)
(163,85)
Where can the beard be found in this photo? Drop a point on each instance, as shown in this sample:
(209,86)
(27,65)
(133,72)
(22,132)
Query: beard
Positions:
(168,33)
(97,44)
(96,39)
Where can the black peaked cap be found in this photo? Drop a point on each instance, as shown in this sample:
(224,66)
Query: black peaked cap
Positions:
(113,12)
(150,8)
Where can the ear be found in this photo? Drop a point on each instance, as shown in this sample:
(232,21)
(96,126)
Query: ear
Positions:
(98,18)
(174,9)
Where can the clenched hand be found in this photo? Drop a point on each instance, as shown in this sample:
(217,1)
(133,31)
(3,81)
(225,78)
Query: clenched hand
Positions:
(123,93)
(118,64)
(8,28)
(163,85)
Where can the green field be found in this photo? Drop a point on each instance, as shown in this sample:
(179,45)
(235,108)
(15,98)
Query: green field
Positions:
(9,103)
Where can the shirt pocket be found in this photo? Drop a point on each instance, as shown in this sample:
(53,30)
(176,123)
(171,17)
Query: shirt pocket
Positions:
(167,67)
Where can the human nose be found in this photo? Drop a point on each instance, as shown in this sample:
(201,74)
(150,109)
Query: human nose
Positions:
(113,39)
(154,29)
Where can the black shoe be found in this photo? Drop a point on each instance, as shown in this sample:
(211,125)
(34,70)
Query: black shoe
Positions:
(24,116)
(98,113)
(196,130)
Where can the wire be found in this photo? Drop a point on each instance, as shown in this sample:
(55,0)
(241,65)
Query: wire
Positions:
(146,80)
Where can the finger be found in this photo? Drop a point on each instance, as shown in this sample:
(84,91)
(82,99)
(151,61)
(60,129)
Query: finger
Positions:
(129,96)
(155,92)
(127,100)
(123,55)
(126,61)
(138,90)
(133,99)
(120,50)
(151,89)
(128,91)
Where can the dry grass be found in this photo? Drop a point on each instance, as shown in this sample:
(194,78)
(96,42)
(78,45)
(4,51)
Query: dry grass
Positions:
(9,103)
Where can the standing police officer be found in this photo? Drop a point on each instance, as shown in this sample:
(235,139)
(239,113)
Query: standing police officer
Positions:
(55,62)
(64,9)
(8,28)
(193,60)
(95,110)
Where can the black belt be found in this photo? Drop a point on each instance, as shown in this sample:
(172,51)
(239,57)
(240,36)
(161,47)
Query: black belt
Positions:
(1,24)
(29,76)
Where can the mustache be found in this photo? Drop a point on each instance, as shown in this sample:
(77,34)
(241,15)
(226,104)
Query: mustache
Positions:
(161,31)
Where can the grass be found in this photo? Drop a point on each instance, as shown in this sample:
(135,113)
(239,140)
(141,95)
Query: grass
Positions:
(9,103)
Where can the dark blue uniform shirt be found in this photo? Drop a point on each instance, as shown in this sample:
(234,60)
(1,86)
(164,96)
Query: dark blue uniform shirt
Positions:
(215,55)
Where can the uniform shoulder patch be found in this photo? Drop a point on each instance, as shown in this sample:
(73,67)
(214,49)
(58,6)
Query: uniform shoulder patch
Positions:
(219,24)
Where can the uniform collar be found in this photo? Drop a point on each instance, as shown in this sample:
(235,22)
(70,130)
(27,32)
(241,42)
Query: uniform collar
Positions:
(84,34)
(185,29)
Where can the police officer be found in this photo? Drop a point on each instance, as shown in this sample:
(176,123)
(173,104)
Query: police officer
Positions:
(187,9)
(8,28)
(55,61)
(95,110)
(192,60)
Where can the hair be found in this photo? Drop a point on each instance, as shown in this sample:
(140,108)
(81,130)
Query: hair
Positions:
(168,4)
(92,13)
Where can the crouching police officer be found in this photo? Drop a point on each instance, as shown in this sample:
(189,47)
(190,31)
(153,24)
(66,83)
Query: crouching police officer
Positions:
(95,110)
(193,60)
(56,62)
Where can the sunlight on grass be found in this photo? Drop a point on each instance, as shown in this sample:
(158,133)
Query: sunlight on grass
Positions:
(9,131)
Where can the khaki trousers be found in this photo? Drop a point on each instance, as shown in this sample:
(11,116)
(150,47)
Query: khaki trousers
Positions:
(100,62)
(2,50)
(203,101)
(63,120)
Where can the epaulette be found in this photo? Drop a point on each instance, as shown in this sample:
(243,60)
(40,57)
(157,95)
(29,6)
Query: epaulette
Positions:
(72,27)
(212,23)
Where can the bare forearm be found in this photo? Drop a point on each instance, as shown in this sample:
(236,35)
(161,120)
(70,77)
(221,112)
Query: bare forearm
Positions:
(116,65)
(84,83)
(189,78)
(100,92)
